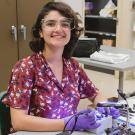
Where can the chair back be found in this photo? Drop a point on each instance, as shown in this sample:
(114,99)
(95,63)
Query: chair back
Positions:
(5,119)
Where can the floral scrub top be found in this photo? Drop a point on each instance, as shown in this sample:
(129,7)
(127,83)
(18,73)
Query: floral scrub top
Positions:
(34,87)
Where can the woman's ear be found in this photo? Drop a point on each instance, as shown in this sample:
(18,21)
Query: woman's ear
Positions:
(41,34)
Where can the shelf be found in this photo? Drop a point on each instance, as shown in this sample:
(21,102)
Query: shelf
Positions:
(100,33)
(100,27)
(100,17)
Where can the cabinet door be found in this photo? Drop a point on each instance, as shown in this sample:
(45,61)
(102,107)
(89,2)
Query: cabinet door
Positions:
(27,14)
(8,45)
(16,14)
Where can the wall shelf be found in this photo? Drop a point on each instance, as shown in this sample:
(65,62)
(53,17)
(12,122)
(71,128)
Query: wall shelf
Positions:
(100,17)
(100,27)
(100,33)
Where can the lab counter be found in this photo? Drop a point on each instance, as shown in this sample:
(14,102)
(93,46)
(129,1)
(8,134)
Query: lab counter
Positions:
(51,133)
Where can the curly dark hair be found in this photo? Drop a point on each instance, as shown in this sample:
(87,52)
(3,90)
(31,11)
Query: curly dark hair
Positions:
(38,43)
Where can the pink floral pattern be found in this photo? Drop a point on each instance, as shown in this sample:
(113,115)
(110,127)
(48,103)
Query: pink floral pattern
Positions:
(33,86)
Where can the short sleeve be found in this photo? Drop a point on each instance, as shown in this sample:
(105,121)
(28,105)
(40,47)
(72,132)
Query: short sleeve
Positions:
(20,85)
(86,86)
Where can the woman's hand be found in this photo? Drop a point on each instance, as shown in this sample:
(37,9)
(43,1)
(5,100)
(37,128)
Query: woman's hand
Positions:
(85,120)
(115,113)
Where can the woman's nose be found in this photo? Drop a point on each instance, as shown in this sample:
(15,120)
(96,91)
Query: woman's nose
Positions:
(58,26)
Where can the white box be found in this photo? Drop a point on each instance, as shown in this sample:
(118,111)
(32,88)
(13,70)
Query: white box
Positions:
(106,122)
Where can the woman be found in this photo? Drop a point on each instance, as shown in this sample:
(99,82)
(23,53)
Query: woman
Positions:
(45,88)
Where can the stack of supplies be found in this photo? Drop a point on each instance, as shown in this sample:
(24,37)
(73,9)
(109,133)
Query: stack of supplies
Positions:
(108,57)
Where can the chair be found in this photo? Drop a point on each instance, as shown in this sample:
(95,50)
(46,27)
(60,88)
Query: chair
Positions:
(5,120)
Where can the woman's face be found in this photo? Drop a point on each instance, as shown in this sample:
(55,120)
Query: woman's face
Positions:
(56,30)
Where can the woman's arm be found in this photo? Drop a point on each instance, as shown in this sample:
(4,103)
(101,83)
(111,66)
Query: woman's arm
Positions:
(22,121)
(98,98)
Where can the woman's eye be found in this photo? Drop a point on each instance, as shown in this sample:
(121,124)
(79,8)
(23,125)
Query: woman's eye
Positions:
(66,24)
(50,24)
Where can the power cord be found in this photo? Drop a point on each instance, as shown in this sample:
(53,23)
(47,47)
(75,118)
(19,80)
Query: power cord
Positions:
(123,95)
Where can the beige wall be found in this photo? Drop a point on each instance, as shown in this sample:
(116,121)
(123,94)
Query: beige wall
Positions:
(126,17)
(125,35)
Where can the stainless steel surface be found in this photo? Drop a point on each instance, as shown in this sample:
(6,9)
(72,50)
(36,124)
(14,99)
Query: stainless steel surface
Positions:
(14,32)
(23,31)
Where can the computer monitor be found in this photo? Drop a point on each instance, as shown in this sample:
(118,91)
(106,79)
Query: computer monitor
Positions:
(85,47)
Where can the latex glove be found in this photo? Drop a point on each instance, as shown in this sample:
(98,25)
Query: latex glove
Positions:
(115,113)
(86,120)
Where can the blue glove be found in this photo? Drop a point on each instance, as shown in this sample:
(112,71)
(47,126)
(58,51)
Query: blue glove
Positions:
(115,113)
(86,120)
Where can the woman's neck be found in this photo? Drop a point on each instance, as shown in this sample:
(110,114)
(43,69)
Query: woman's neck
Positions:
(53,56)
(54,60)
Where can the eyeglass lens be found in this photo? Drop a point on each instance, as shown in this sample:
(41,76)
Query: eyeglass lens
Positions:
(66,23)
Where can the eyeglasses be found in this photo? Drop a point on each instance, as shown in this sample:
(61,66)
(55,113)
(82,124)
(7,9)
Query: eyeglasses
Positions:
(64,24)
